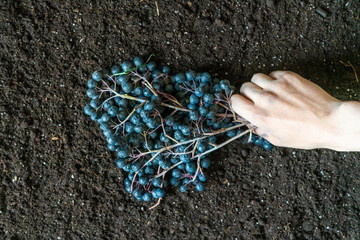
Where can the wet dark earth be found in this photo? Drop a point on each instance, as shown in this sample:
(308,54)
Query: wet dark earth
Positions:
(59,180)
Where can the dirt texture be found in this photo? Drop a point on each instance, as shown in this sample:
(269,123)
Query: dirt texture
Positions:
(59,180)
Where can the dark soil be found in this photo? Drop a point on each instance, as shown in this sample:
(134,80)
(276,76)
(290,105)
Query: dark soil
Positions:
(59,181)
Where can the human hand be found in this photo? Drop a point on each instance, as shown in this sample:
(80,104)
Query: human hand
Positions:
(289,110)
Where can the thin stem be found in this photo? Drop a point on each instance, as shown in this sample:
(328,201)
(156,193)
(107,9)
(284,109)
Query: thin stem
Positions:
(175,107)
(197,170)
(158,202)
(164,172)
(226,142)
(129,116)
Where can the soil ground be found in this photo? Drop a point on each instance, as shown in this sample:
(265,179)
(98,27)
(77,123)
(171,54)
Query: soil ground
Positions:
(59,181)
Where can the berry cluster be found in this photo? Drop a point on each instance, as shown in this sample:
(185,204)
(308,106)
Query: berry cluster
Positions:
(162,126)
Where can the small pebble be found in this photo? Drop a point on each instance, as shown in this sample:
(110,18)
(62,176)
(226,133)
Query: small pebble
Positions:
(169,35)
(244,152)
(321,12)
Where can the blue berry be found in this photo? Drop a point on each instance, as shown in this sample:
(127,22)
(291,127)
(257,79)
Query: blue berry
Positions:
(192,106)
(205,163)
(190,167)
(91,83)
(127,167)
(185,158)
(224,84)
(108,103)
(210,115)
(139,128)
(144,180)
(178,135)
(183,188)
(113,111)
(126,66)
(128,189)
(138,61)
(176,173)
(185,130)
(199,186)
(194,116)
(95,103)
(185,181)
(267,145)
(212,139)
(104,118)
(95,116)
(97,76)
(201,147)
(181,166)
(174,181)
(92,93)
(137,92)
(123,153)
(147,92)
(165,69)
(122,115)
(127,182)
(217,88)
(89,110)
(190,75)
(160,192)
(121,162)
(179,78)
(121,79)
(205,77)
(149,106)
(155,74)
(135,119)
(208,98)
(135,166)
(157,182)
(126,87)
(115,69)
(231,133)
(138,193)
(147,197)
(151,66)
(199,92)
(203,111)
(154,194)
(194,99)
(129,127)
(164,138)
(174,160)
(165,164)
(259,141)
(202,177)
(149,170)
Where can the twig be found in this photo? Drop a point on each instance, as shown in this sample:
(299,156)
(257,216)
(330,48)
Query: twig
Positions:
(348,64)
(226,142)
(158,202)
(157,8)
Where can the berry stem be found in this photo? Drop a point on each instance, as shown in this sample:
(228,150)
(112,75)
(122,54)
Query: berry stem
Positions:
(250,130)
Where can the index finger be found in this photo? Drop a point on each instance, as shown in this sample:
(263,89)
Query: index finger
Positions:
(242,106)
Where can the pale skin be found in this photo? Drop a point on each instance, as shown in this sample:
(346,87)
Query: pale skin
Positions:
(290,111)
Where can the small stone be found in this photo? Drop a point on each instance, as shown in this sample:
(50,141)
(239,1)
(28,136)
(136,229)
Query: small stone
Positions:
(244,152)
(270,3)
(321,12)
(169,35)
(307,226)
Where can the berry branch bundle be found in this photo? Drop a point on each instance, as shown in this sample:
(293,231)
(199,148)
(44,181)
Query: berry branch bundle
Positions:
(162,126)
